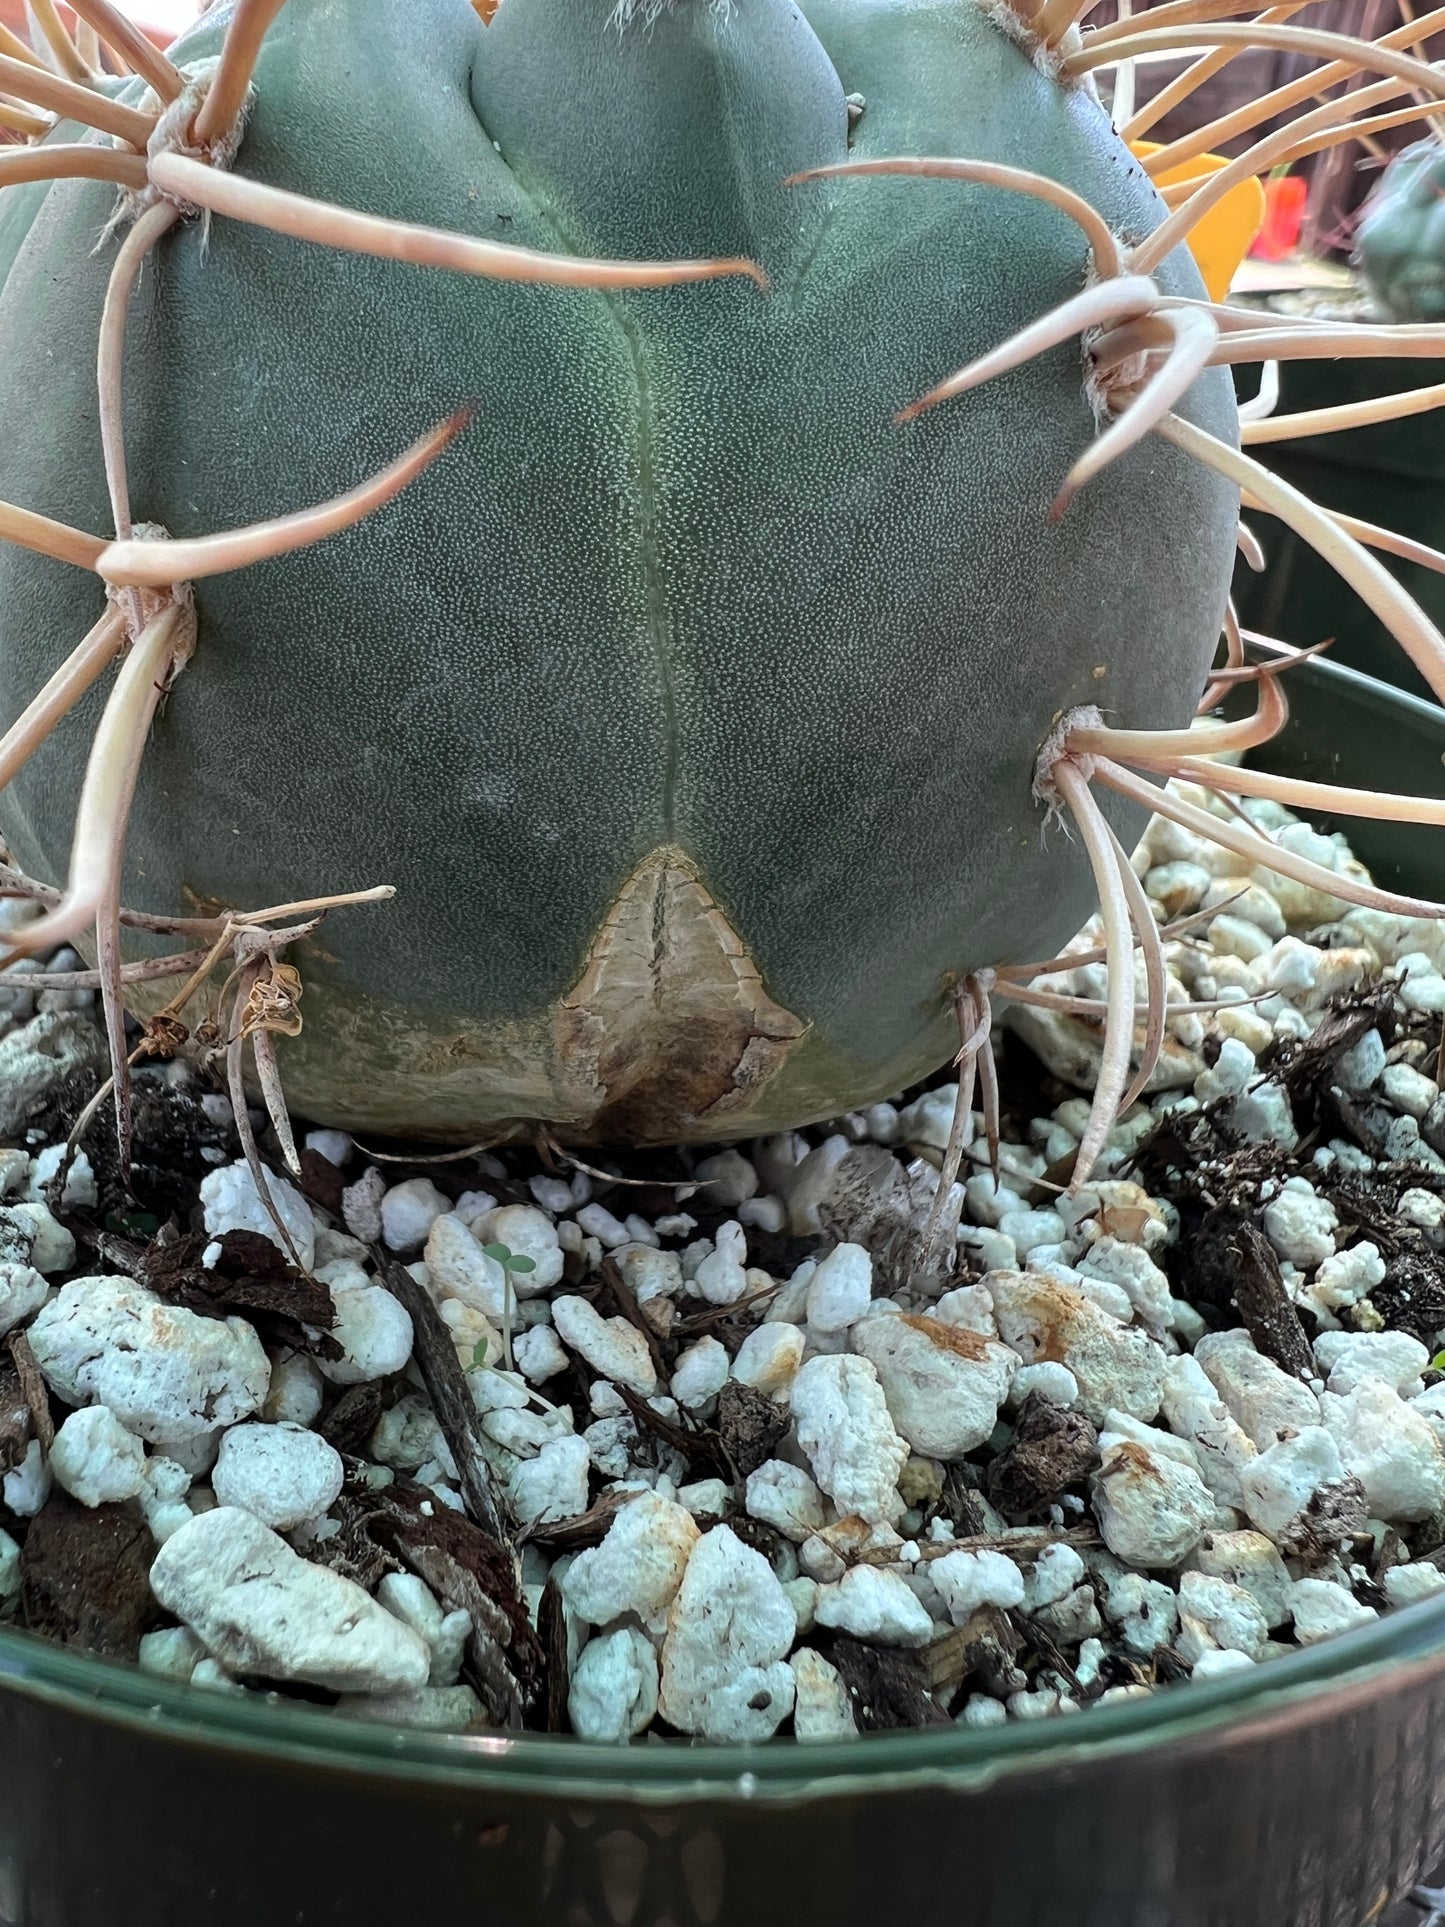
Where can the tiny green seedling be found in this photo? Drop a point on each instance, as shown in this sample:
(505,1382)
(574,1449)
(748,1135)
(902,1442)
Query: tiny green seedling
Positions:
(511,1262)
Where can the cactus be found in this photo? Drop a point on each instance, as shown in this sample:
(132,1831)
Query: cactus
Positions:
(1401,237)
(704,677)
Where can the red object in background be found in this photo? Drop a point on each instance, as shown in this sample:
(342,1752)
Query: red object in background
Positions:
(1284,212)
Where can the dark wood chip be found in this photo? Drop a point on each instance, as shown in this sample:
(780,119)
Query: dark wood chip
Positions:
(749,1426)
(17,1428)
(401,1526)
(889,1690)
(1232,1252)
(32,1384)
(1334,1515)
(984,1647)
(1305,1065)
(681,1438)
(446,1385)
(353,1418)
(85,1577)
(471,1571)
(961,1502)
(589,1528)
(322,1181)
(1053,1448)
(552,1631)
(251,1279)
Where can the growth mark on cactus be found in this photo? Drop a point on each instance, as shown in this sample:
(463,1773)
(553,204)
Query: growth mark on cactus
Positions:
(669,1023)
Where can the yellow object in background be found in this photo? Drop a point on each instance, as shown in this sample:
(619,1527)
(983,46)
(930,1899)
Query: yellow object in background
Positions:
(1222,239)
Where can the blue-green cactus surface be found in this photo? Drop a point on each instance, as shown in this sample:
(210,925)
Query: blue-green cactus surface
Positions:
(689,702)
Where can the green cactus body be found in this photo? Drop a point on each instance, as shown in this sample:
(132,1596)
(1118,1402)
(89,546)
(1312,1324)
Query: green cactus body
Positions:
(691,704)
(1401,239)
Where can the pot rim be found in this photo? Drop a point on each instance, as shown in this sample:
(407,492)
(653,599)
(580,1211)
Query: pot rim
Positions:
(1408,1641)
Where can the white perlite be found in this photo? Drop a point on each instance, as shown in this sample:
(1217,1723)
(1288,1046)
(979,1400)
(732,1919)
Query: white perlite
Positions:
(412,1601)
(96,1459)
(1151,1509)
(408,1212)
(280,1474)
(1282,1481)
(1213,1612)
(725,1675)
(844,1427)
(822,1709)
(372,1327)
(613,1694)
(722,1276)
(1347,1359)
(943,1383)
(553,1485)
(1195,1412)
(1263,1399)
(526,1233)
(700,1373)
(1116,1367)
(639,1565)
(968,1580)
(22,1291)
(44,1243)
(259,1608)
(297,1391)
(609,1345)
(167,1374)
(769,1357)
(840,1288)
(874,1604)
(1391,1450)
(1321,1609)
(232,1203)
(784,1497)
(1251,1562)
(457,1267)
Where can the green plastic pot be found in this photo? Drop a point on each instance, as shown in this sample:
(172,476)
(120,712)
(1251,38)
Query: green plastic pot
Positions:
(1304,1794)
(1392,474)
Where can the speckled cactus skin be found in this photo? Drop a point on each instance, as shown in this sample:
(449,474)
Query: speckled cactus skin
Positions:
(691,705)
